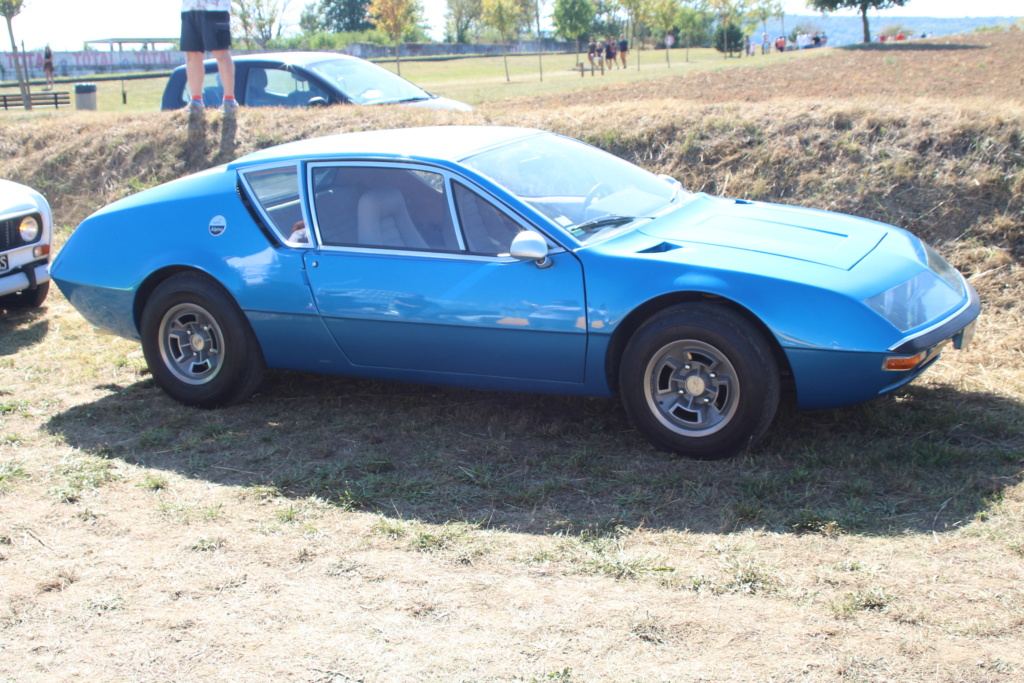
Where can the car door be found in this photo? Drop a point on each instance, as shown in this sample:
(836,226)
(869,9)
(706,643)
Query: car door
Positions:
(402,283)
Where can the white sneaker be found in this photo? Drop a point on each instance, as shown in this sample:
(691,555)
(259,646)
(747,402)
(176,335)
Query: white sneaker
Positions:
(195,106)
(230,106)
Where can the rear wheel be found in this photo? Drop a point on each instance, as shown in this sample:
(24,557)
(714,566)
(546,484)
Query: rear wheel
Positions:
(198,344)
(700,381)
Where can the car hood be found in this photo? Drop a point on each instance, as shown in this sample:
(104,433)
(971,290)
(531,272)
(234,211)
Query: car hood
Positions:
(18,199)
(821,237)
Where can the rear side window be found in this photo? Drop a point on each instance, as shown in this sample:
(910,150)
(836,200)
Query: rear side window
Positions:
(276,190)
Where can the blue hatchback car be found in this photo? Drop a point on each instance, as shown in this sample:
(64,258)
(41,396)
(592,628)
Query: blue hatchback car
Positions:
(516,260)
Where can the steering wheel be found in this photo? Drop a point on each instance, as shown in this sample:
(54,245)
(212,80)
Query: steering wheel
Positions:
(601,189)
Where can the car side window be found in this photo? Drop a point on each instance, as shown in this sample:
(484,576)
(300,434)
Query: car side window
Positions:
(277,191)
(486,228)
(269,87)
(382,207)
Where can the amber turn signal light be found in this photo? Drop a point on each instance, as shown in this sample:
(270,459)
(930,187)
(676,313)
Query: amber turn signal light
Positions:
(904,362)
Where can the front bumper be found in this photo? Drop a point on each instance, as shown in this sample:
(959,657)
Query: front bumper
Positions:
(26,276)
(827,378)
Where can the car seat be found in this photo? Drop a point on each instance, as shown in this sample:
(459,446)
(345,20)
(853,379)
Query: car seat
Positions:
(336,215)
(256,89)
(383,220)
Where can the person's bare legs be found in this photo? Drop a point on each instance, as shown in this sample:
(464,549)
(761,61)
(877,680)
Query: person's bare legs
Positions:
(194,73)
(226,69)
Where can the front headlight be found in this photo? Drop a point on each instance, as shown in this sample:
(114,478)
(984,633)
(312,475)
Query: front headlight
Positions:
(922,298)
(29,229)
(944,269)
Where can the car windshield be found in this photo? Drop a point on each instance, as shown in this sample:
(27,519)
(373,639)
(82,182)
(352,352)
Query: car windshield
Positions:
(588,192)
(366,83)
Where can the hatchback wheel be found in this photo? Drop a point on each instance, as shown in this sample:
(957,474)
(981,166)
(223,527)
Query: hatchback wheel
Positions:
(700,381)
(198,344)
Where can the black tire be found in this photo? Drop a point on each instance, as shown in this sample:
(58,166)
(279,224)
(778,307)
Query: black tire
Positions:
(700,381)
(27,298)
(198,344)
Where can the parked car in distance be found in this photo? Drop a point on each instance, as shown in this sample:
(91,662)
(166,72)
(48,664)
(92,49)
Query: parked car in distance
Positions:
(305,79)
(517,260)
(26,228)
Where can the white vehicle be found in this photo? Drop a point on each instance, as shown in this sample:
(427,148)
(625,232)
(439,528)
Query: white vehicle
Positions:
(26,229)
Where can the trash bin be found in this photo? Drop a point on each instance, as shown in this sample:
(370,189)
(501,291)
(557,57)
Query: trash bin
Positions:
(85,96)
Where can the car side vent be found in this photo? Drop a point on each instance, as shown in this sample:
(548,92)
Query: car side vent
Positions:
(659,248)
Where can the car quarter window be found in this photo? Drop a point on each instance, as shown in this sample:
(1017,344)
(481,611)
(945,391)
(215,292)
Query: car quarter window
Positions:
(277,191)
(378,206)
(487,229)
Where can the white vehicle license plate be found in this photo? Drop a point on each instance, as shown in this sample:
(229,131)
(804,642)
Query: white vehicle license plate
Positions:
(3,263)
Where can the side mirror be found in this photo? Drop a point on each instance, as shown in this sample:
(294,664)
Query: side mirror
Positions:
(530,246)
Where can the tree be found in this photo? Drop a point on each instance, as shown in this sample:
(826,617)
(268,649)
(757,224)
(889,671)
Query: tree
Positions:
(335,16)
(693,24)
(394,18)
(728,37)
(731,14)
(11,9)
(861,6)
(663,16)
(573,18)
(505,17)
(540,52)
(638,12)
(605,21)
(765,10)
(463,15)
(260,20)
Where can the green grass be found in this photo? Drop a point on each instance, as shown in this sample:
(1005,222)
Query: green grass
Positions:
(476,80)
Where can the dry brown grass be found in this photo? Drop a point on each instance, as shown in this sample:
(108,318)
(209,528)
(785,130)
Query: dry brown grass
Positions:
(336,530)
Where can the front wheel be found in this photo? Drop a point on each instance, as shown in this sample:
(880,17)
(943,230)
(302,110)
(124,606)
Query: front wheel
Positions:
(27,298)
(700,381)
(198,344)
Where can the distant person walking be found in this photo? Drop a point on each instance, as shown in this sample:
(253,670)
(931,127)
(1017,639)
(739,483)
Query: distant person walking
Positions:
(609,52)
(206,27)
(623,49)
(48,67)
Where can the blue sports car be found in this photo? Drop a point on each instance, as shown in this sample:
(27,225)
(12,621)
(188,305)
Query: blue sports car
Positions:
(516,260)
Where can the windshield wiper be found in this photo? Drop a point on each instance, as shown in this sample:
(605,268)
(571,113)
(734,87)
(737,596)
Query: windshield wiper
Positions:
(602,222)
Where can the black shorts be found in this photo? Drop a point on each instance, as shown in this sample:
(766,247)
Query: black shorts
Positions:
(205,31)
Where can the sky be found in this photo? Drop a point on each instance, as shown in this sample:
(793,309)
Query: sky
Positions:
(66,24)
